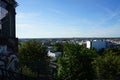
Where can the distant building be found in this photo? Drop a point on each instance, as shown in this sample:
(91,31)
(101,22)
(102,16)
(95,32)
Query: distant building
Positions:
(54,53)
(88,44)
(97,44)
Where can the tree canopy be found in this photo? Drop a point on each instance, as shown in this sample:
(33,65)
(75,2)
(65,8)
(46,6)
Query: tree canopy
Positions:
(79,63)
(76,63)
(107,66)
(33,55)
(58,47)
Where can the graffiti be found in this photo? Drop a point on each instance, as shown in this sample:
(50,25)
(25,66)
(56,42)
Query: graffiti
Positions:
(3,49)
(8,58)
(8,41)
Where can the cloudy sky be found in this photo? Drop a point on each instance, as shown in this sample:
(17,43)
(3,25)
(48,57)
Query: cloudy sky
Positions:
(67,18)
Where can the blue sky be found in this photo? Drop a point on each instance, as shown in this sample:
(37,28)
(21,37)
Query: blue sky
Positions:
(67,18)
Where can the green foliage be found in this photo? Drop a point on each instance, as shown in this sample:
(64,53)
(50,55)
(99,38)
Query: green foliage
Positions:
(79,63)
(58,47)
(28,72)
(32,51)
(34,55)
(108,65)
(75,64)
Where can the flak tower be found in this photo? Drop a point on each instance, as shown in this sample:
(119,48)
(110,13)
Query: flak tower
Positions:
(7,23)
(8,40)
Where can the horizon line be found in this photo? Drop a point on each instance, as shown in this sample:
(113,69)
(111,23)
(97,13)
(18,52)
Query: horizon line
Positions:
(63,37)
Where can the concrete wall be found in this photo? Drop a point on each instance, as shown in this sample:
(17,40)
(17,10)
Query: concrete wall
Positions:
(8,23)
(8,40)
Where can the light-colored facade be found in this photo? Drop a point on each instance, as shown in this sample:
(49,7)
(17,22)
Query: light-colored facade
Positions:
(97,44)
(88,44)
(54,53)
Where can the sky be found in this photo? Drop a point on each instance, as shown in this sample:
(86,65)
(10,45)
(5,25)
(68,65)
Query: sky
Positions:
(67,18)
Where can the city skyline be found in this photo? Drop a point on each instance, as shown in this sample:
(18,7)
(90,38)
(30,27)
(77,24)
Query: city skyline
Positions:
(67,18)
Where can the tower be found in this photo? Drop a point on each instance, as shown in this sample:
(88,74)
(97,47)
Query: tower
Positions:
(7,23)
(7,18)
(8,40)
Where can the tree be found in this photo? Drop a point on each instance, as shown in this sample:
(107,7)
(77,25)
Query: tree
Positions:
(107,66)
(33,55)
(58,47)
(76,63)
